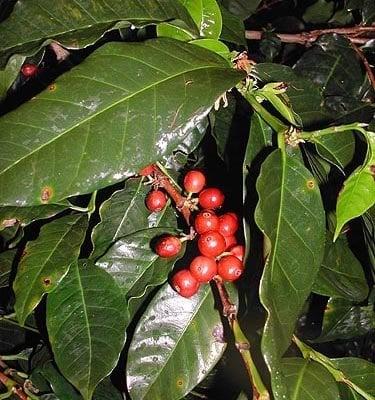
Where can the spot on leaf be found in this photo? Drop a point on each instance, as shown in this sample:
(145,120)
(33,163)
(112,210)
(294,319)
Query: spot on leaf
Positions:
(179,382)
(310,184)
(372,170)
(47,281)
(46,194)
(7,223)
(52,87)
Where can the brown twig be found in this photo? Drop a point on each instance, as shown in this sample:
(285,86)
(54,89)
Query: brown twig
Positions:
(357,35)
(366,64)
(13,387)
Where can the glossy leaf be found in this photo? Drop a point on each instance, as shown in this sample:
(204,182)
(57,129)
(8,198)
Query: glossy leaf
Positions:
(76,24)
(341,274)
(337,149)
(133,263)
(303,377)
(10,216)
(113,129)
(11,336)
(6,262)
(125,213)
(85,310)
(347,393)
(303,95)
(358,193)
(46,260)
(343,320)
(241,8)
(175,345)
(233,29)
(359,372)
(291,216)
(9,74)
(214,45)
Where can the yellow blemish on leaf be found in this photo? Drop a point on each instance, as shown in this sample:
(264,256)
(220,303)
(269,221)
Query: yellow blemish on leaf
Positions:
(310,184)
(46,194)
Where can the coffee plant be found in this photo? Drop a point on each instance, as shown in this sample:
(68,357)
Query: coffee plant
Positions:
(187,199)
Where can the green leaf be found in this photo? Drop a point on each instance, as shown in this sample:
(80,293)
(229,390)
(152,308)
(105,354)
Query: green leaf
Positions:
(241,8)
(319,12)
(233,29)
(12,336)
(176,343)
(206,15)
(46,261)
(9,74)
(303,377)
(343,320)
(10,216)
(125,213)
(347,393)
(303,95)
(6,262)
(358,193)
(107,391)
(337,149)
(290,214)
(214,45)
(358,372)
(134,265)
(78,24)
(341,274)
(86,319)
(113,128)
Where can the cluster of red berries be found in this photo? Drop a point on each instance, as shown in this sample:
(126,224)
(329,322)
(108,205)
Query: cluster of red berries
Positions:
(219,252)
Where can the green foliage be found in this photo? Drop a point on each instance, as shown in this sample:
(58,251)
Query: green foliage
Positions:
(86,306)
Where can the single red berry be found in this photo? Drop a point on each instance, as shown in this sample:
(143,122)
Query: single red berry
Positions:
(230,241)
(206,221)
(211,243)
(230,268)
(238,250)
(184,283)
(211,198)
(228,224)
(194,181)
(156,200)
(203,268)
(29,70)
(168,246)
(147,170)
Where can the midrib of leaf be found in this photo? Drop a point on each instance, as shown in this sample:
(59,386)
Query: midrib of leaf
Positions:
(299,381)
(89,118)
(48,258)
(87,325)
(198,306)
(275,247)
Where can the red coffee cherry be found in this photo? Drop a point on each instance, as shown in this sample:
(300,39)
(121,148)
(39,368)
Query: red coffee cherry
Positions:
(168,246)
(203,268)
(184,283)
(211,243)
(194,181)
(238,251)
(230,268)
(29,70)
(230,241)
(147,170)
(228,224)
(211,198)
(206,221)
(156,200)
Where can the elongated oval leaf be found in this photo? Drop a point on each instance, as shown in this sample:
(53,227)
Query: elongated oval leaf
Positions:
(46,261)
(76,24)
(291,215)
(107,118)
(303,377)
(10,216)
(6,262)
(343,320)
(358,193)
(125,213)
(9,74)
(134,264)
(341,274)
(86,319)
(176,343)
